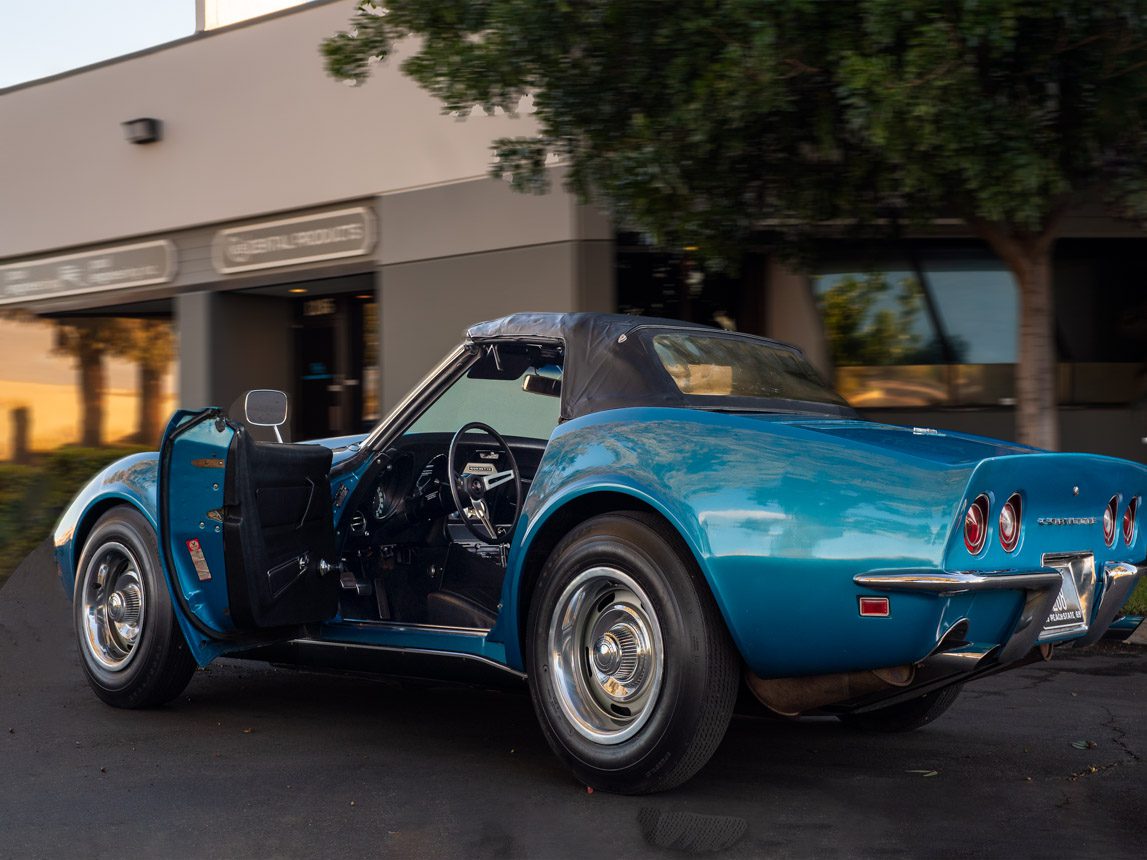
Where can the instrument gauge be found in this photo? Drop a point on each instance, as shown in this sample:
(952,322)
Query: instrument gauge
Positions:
(381,504)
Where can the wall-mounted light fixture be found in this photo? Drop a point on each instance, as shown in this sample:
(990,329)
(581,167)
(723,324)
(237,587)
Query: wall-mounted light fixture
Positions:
(146,129)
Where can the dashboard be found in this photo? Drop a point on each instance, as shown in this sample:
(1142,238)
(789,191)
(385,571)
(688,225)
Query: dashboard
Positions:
(406,545)
(409,490)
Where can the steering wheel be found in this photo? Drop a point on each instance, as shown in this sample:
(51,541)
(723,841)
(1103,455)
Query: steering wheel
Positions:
(471,487)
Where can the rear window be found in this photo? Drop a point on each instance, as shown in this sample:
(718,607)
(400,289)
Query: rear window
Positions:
(727,366)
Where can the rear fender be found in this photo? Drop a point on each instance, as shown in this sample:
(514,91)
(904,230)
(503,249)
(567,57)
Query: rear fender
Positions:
(776,532)
(510,629)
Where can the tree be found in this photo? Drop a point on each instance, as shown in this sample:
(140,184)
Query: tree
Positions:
(703,121)
(89,340)
(150,343)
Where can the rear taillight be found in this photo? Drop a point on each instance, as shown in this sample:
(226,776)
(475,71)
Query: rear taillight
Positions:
(976,524)
(1010,523)
(1129,520)
(1109,514)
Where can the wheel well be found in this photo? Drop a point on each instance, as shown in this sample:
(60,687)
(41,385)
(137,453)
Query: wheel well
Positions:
(556,527)
(85,525)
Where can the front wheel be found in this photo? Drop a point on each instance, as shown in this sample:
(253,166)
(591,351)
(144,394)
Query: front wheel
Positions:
(631,670)
(133,652)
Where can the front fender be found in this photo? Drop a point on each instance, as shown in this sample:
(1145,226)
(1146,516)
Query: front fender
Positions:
(129,481)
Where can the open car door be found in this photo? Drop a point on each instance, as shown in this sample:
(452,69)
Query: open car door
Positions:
(246,531)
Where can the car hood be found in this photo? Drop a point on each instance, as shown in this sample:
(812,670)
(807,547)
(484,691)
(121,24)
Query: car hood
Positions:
(925,443)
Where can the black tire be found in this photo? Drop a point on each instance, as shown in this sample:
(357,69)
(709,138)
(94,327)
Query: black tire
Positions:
(684,717)
(155,665)
(905,716)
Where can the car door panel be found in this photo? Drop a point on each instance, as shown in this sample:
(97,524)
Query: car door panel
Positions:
(244,526)
(277,531)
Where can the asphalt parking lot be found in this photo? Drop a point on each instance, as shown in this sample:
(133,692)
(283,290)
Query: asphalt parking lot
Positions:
(258,762)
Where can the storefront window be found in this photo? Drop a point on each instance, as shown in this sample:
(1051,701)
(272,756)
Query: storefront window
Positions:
(675,285)
(92,381)
(943,329)
(977,305)
(876,319)
(940,329)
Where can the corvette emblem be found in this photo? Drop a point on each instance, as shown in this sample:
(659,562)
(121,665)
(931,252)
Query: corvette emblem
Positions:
(1066,521)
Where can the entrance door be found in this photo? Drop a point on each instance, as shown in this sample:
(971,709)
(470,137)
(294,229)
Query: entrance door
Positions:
(334,354)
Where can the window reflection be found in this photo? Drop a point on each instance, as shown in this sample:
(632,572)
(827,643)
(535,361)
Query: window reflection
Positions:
(941,329)
(963,311)
(977,304)
(875,318)
(936,330)
(92,381)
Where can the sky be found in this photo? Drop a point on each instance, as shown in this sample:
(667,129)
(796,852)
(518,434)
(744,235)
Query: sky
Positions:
(45,37)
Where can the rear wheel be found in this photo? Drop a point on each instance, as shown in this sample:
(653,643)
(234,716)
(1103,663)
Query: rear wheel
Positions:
(131,648)
(631,670)
(905,716)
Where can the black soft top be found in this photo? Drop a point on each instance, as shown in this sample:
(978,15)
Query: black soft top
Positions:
(608,364)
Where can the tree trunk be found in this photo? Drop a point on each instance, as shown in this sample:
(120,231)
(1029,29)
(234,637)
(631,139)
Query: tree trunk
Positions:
(93,380)
(1037,373)
(150,394)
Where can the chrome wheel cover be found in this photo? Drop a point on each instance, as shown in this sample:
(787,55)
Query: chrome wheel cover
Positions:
(606,655)
(112,607)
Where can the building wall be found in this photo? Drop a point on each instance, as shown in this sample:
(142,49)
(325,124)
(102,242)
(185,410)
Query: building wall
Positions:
(1114,429)
(252,124)
(230,343)
(427,305)
(791,315)
(462,253)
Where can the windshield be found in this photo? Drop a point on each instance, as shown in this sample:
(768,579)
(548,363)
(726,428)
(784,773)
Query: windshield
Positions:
(705,365)
(498,397)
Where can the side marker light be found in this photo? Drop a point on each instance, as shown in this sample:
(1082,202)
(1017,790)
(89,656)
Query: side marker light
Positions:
(874,607)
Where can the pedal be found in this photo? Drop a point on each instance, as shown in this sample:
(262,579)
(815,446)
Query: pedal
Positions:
(350,582)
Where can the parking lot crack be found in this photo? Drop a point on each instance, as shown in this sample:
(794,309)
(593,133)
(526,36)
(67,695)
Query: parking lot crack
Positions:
(1119,735)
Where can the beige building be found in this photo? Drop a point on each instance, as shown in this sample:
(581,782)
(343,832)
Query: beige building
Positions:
(330,240)
(334,241)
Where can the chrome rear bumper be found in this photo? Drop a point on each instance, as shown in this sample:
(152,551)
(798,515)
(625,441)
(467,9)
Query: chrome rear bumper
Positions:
(1041,587)
(1119,580)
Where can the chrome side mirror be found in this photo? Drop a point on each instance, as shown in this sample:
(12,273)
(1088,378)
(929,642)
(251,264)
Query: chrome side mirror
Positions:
(265,407)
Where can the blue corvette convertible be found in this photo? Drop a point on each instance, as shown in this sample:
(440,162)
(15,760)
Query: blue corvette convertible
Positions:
(633,516)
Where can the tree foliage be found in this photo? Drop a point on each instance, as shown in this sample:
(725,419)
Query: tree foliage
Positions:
(704,121)
(701,120)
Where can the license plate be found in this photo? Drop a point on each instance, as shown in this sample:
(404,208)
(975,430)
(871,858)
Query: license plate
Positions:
(1067,613)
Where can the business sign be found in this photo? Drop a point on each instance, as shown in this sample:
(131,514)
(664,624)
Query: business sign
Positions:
(116,268)
(291,241)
